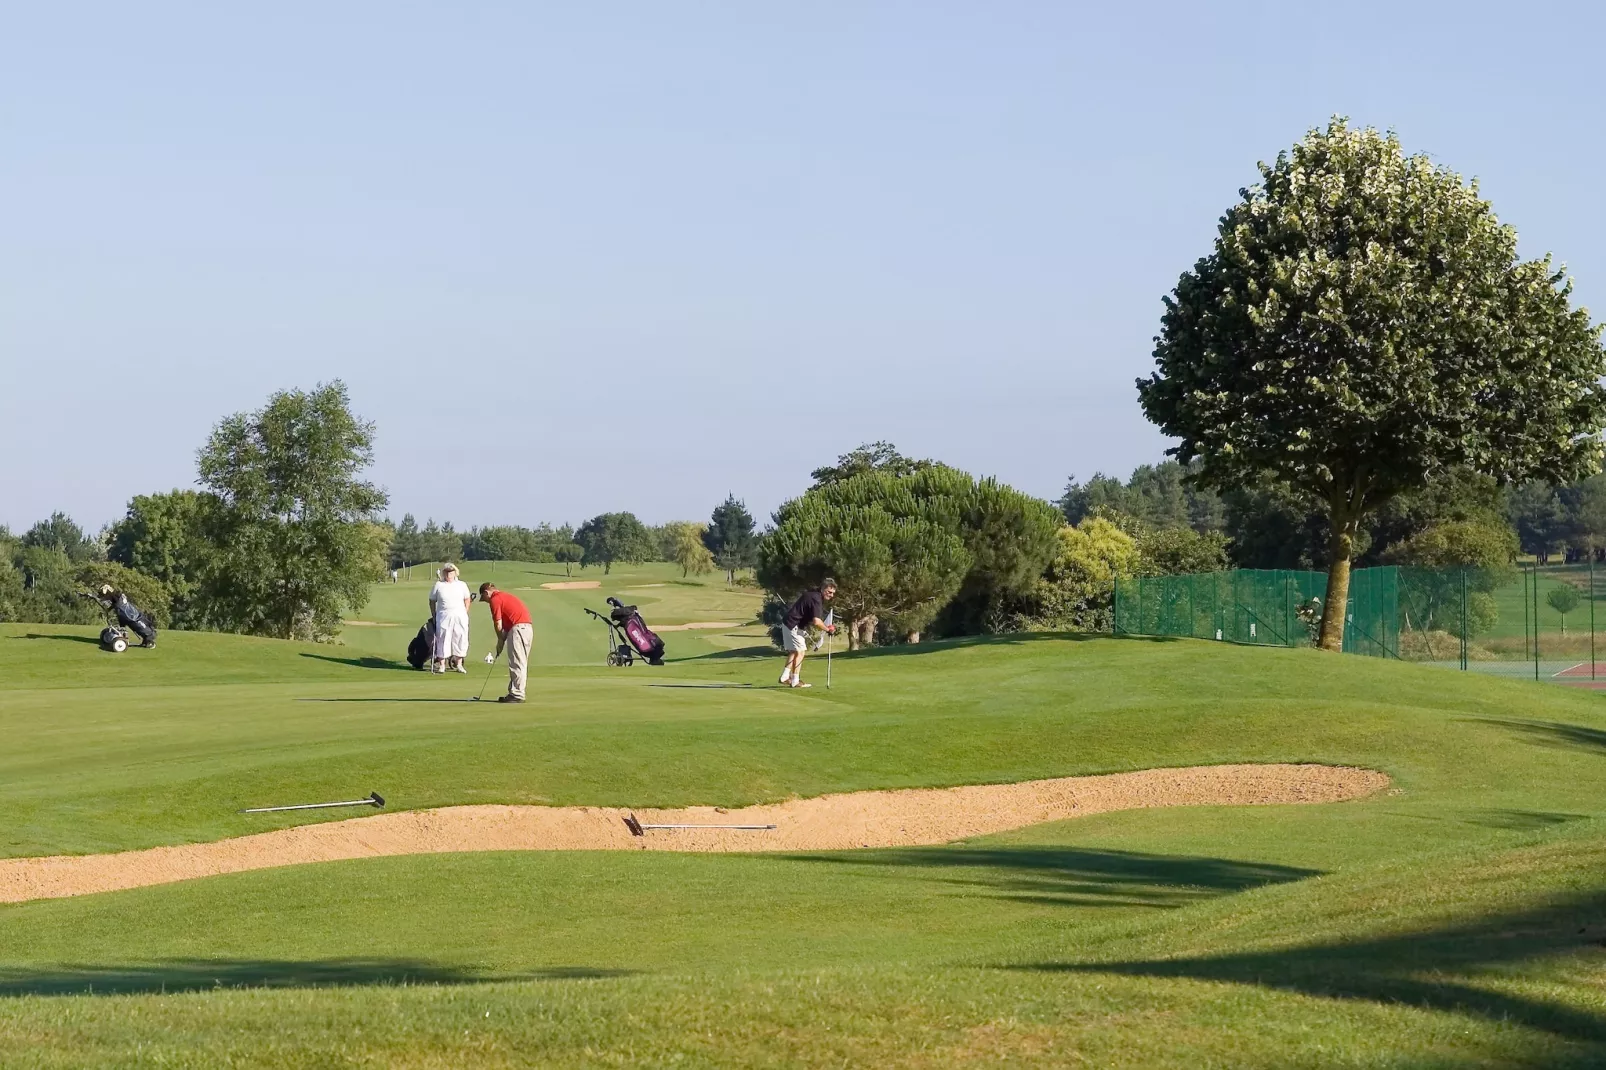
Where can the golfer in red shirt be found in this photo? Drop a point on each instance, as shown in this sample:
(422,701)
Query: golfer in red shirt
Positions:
(513,630)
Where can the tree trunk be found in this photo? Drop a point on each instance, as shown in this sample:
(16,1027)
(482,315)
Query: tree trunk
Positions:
(1343,546)
(912,637)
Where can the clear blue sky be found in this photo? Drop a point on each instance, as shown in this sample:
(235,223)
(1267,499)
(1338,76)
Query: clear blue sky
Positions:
(675,250)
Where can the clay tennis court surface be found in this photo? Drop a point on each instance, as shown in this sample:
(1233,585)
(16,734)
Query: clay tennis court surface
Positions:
(920,816)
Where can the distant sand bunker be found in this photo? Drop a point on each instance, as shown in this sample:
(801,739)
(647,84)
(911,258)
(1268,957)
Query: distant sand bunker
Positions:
(571,585)
(827,823)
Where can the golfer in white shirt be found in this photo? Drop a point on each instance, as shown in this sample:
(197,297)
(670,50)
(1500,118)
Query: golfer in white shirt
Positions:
(449,599)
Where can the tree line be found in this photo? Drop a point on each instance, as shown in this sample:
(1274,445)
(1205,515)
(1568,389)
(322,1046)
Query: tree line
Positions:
(284,536)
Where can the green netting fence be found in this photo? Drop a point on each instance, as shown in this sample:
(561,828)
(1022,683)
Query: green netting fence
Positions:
(1537,621)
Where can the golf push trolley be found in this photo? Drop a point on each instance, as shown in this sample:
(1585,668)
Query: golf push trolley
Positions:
(629,637)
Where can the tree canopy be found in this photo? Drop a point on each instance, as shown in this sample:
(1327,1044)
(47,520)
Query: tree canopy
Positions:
(297,544)
(1362,324)
(908,548)
(730,537)
(610,537)
(870,457)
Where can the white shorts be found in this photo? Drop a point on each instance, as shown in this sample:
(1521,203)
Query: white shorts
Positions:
(451,635)
(794,639)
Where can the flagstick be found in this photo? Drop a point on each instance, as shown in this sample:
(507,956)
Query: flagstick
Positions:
(828,637)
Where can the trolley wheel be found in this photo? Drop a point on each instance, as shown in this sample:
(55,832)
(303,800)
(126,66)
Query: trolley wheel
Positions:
(119,645)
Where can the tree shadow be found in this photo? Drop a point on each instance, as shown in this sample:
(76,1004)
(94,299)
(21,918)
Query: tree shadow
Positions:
(363,663)
(1434,969)
(1521,820)
(1554,733)
(91,640)
(1069,876)
(931,646)
(382,700)
(192,975)
(765,650)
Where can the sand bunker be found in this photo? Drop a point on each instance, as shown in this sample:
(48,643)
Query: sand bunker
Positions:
(571,585)
(694,626)
(827,823)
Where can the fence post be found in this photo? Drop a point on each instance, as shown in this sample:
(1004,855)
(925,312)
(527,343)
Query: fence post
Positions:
(1464,624)
(1536,619)
(1525,628)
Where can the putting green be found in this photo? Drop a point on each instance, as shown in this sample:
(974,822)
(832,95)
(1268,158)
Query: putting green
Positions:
(1453,920)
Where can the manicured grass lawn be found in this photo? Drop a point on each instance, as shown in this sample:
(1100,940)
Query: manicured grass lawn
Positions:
(1455,921)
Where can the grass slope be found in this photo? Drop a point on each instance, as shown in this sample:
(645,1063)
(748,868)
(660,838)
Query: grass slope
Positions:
(1455,921)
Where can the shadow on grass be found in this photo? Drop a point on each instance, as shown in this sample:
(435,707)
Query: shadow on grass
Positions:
(91,640)
(1554,734)
(382,700)
(363,663)
(192,975)
(1521,820)
(1434,969)
(1069,876)
(931,646)
(766,650)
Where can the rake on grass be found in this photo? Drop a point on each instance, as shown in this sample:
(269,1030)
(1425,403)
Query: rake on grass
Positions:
(374,800)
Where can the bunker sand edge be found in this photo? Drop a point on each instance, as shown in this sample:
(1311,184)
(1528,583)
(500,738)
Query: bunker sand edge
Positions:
(897,818)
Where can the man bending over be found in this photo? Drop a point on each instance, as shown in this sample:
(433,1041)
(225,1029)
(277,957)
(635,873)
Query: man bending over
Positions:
(807,612)
(511,619)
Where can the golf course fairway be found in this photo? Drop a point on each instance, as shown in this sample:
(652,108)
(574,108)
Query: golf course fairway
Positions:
(1454,918)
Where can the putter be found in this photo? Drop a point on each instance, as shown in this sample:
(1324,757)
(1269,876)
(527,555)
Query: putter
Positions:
(638,829)
(374,800)
(489,669)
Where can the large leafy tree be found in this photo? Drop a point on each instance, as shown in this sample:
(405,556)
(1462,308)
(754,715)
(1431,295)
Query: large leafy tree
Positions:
(60,534)
(169,537)
(297,541)
(1363,324)
(730,537)
(614,537)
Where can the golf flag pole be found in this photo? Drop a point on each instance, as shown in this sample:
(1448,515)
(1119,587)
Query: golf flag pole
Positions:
(830,618)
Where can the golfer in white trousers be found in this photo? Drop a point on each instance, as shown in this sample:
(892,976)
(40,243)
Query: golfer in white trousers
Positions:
(449,599)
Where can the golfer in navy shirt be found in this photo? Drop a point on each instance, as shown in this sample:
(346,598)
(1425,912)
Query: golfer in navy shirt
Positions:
(807,612)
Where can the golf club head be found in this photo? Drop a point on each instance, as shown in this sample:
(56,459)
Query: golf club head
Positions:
(634,826)
(378,799)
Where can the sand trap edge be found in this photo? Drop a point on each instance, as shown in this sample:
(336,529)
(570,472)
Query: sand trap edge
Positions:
(898,818)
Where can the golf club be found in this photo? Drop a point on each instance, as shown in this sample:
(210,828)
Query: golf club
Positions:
(374,800)
(489,669)
(638,829)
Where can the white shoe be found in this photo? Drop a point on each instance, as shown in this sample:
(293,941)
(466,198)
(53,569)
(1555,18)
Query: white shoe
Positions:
(462,670)
(799,683)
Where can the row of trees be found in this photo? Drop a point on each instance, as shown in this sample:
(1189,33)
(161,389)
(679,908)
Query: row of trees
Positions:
(729,540)
(285,536)
(1267,525)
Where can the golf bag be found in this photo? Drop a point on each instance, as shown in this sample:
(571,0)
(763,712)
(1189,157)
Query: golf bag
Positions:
(642,639)
(629,637)
(422,649)
(123,616)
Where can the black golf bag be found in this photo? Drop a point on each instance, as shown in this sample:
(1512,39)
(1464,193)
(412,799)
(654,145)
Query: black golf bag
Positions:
(422,649)
(126,617)
(629,637)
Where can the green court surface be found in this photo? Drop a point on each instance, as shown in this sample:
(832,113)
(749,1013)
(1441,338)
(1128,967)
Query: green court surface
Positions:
(1456,920)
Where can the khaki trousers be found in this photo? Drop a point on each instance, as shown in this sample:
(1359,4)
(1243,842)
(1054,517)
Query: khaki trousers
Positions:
(517,645)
